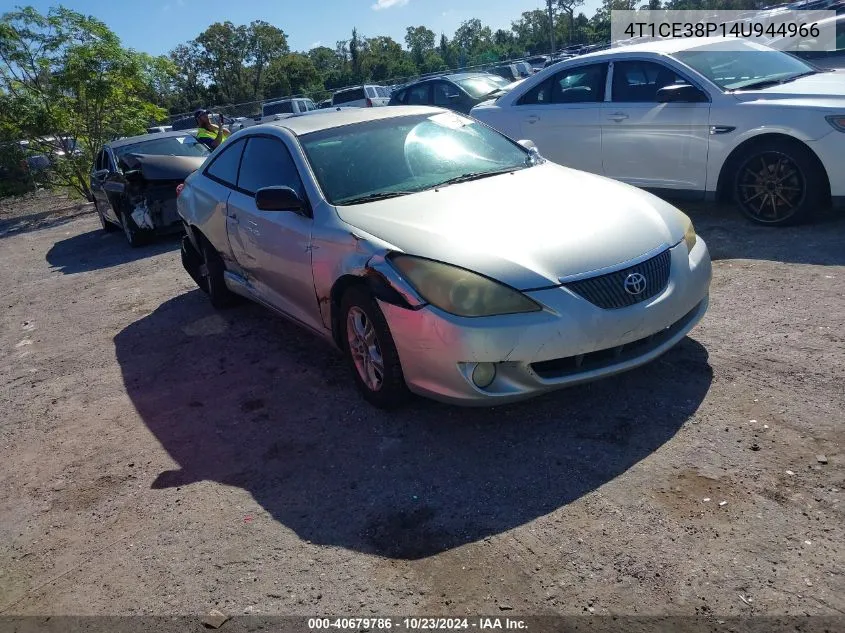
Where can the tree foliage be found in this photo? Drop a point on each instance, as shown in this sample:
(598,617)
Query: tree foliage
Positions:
(68,86)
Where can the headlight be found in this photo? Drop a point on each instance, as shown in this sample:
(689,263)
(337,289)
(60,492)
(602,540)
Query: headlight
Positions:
(689,236)
(837,121)
(459,291)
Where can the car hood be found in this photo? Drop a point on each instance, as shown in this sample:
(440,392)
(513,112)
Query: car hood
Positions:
(529,228)
(157,167)
(824,86)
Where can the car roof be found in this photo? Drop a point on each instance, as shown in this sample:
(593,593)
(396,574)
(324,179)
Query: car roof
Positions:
(666,47)
(131,140)
(447,76)
(331,118)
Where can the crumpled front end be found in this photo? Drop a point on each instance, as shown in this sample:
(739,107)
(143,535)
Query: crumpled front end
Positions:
(152,206)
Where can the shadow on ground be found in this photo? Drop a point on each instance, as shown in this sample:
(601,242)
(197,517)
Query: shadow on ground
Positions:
(730,236)
(244,399)
(97,249)
(18,225)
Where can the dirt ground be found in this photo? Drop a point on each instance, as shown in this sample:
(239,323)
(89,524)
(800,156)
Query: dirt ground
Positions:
(159,457)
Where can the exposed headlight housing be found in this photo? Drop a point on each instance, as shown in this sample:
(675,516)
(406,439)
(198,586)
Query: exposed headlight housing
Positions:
(837,121)
(459,291)
(690,238)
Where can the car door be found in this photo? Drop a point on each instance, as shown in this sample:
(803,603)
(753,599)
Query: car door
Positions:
(448,95)
(114,185)
(420,94)
(98,179)
(651,144)
(561,115)
(213,193)
(278,242)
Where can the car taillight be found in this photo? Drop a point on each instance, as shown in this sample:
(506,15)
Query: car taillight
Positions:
(179,189)
(369,102)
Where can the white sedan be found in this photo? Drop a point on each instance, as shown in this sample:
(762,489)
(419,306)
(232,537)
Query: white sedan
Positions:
(709,117)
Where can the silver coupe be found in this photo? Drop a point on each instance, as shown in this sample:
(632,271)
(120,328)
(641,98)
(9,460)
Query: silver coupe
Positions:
(440,256)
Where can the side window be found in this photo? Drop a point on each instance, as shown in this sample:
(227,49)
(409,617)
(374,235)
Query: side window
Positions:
(840,35)
(417,95)
(583,84)
(445,94)
(267,163)
(541,94)
(224,169)
(107,161)
(98,162)
(639,81)
(400,96)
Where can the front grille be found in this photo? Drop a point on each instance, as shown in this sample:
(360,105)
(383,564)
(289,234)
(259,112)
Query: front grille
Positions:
(608,291)
(600,359)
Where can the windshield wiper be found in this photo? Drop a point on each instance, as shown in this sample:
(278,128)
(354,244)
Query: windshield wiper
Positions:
(372,197)
(475,175)
(767,83)
(492,92)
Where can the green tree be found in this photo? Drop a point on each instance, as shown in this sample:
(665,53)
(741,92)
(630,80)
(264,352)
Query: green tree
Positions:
(473,38)
(291,75)
(69,86)
(191,91)
(446,50)
(355,54)
(265,44)
(567,7)
(420,41)
(223,49)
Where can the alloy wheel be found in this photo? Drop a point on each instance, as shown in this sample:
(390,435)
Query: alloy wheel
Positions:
(364,348)
(771,187)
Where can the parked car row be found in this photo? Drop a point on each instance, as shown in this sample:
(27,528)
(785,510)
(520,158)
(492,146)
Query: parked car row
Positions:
(488,258)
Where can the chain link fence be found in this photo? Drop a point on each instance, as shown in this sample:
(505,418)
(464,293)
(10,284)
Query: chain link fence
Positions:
(253,109)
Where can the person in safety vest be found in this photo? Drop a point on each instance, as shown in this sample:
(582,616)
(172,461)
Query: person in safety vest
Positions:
(209,134)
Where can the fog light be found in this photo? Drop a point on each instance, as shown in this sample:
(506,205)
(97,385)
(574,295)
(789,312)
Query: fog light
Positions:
(483,375)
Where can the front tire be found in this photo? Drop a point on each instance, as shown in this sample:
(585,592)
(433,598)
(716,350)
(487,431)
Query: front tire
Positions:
(212,280)
(778,183)
(134,236)
(107,226)
(371,351)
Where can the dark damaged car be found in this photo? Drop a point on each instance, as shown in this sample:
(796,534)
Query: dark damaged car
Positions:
(134,182)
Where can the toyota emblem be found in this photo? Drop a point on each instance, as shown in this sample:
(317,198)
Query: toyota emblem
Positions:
(635,284)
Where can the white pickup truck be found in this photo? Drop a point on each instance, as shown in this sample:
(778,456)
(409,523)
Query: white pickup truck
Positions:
(274,110)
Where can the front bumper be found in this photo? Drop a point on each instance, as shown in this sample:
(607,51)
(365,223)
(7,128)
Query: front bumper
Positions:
(571,341)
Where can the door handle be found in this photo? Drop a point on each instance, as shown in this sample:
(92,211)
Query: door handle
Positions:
(618,116)
(532,119)
(234,218)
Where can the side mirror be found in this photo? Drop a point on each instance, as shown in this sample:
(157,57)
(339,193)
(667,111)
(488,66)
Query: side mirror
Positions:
(278,199)
(680,93)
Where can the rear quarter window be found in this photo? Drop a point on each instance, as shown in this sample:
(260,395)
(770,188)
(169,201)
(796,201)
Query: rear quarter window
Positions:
(278,108)
(356,94)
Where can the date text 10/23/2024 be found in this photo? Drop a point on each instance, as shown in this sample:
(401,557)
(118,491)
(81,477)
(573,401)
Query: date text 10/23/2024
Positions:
(375,625)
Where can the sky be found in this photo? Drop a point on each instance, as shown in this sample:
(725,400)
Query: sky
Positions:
(157,26)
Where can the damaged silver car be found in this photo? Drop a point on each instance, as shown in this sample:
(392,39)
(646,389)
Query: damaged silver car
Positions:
(134,181)
(441,256)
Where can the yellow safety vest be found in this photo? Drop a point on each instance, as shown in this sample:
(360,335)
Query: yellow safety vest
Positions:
(203,133)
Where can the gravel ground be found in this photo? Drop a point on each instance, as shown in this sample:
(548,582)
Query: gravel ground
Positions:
(161,458)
